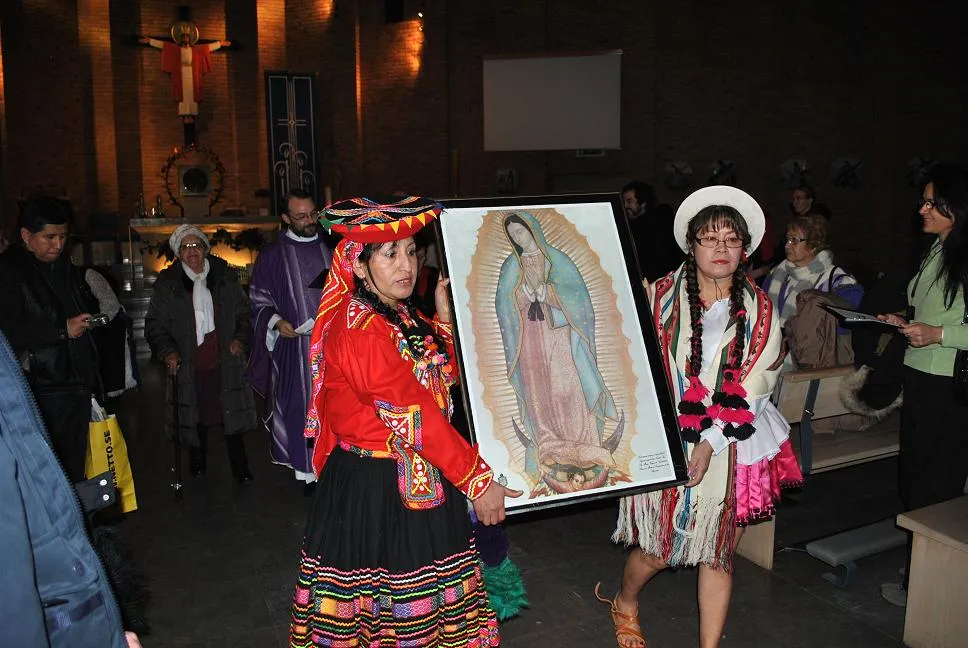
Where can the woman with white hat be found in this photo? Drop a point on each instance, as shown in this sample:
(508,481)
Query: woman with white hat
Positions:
(721,349)
(198,324)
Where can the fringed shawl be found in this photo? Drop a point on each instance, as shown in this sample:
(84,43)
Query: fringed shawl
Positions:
(689,526)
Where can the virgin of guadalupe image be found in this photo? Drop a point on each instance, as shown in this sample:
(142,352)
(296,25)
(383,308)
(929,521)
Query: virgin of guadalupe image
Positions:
(548,329)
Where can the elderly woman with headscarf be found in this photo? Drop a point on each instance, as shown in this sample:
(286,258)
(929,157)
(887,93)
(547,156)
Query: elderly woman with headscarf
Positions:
(198,325)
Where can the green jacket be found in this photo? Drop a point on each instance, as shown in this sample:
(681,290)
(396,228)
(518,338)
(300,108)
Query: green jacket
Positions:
(926,295)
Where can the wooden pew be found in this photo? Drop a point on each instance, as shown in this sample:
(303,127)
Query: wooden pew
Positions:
(807,396)
(803,398)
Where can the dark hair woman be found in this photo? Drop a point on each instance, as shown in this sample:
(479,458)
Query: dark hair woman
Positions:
(389,528)
(933,461)
(721,346)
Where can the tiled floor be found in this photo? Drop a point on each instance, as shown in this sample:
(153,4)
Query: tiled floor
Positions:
(221,563)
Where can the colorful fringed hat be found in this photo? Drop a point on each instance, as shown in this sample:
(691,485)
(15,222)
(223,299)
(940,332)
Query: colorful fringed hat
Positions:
(379,219)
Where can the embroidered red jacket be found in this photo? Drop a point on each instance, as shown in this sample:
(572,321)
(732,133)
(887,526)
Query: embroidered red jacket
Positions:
(373,401)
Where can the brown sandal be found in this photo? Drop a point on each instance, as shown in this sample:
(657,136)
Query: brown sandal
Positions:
(626,625)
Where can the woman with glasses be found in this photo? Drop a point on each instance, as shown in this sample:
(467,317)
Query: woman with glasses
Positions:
(198,325)
(809,264)
(933,460)
(721,349)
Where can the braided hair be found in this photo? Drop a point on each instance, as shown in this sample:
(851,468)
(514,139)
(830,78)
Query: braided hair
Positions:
(729,404)
(414,327)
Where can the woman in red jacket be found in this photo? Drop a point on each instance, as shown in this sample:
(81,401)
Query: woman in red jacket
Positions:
(388,557)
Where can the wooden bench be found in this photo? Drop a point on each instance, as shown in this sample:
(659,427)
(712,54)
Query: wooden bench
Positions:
(804,398)
(938,583)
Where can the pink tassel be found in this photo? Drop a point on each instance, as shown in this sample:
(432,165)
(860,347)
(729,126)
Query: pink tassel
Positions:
(732,388)
(713,411)
(691,421)
(734,416)
(697,392)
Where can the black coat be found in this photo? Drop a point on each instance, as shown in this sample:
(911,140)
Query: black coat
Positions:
(34,319)
(170,327)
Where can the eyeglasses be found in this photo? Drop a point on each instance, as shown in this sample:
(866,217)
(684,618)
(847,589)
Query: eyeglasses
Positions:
(191,246)
(300,215)
(793,240)
(714,241)
(930,203)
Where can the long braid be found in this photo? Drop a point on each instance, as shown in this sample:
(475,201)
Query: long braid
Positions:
(693,417)
(694,364)
(737,312)
(729,402)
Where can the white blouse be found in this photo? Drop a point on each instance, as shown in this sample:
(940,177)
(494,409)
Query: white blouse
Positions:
(771,429)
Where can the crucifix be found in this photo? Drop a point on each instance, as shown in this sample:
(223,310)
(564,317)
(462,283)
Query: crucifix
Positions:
(187,60)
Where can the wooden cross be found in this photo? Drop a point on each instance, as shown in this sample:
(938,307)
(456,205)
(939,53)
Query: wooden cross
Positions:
(187,60)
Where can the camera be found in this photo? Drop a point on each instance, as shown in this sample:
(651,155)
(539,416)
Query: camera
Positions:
(96,321)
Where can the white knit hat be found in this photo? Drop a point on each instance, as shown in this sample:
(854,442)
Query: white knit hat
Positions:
(175,240)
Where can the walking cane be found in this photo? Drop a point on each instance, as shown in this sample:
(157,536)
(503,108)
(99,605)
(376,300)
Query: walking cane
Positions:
(176,469)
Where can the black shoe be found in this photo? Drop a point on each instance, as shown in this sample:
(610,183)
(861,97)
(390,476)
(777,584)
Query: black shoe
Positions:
(196,462)
(308,489)
(244,476)
(197,455)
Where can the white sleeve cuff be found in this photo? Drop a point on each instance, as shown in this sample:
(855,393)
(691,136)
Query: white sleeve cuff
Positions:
(714,435)
(271,333)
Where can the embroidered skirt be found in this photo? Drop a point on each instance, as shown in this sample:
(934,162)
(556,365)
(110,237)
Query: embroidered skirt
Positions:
(375,574)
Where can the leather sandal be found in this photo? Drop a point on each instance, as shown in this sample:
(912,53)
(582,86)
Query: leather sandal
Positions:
(627,629)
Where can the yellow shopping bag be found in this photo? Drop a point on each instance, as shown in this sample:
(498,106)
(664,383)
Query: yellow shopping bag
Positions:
(106,450)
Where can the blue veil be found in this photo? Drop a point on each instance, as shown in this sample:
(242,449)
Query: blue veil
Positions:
(562,276)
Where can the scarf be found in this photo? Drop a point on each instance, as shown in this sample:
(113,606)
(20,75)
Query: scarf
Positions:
(337,289)
(701,521)
(786,281)
(201,302)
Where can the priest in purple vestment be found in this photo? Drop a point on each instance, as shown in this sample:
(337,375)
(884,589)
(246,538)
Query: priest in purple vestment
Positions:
(285,294)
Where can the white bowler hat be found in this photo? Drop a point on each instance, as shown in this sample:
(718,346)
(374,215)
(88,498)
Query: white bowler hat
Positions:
(738,199)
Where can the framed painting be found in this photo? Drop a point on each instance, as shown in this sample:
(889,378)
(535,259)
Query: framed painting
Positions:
(563,383)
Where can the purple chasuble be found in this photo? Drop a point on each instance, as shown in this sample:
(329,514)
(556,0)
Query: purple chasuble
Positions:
(280,286)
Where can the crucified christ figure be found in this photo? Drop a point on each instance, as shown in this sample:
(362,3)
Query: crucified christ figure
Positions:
(187,61)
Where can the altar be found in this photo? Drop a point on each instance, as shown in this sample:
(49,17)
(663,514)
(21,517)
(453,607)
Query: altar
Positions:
(236,241)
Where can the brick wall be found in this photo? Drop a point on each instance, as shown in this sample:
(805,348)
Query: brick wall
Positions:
(94,35)
(401,108)
(45,81)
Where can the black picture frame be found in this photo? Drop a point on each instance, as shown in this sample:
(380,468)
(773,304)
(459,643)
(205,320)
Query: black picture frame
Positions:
(456,250)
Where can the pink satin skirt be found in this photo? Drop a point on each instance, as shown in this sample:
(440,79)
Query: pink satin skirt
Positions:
(758,485)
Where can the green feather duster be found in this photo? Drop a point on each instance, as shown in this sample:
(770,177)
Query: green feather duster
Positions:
(505,589)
